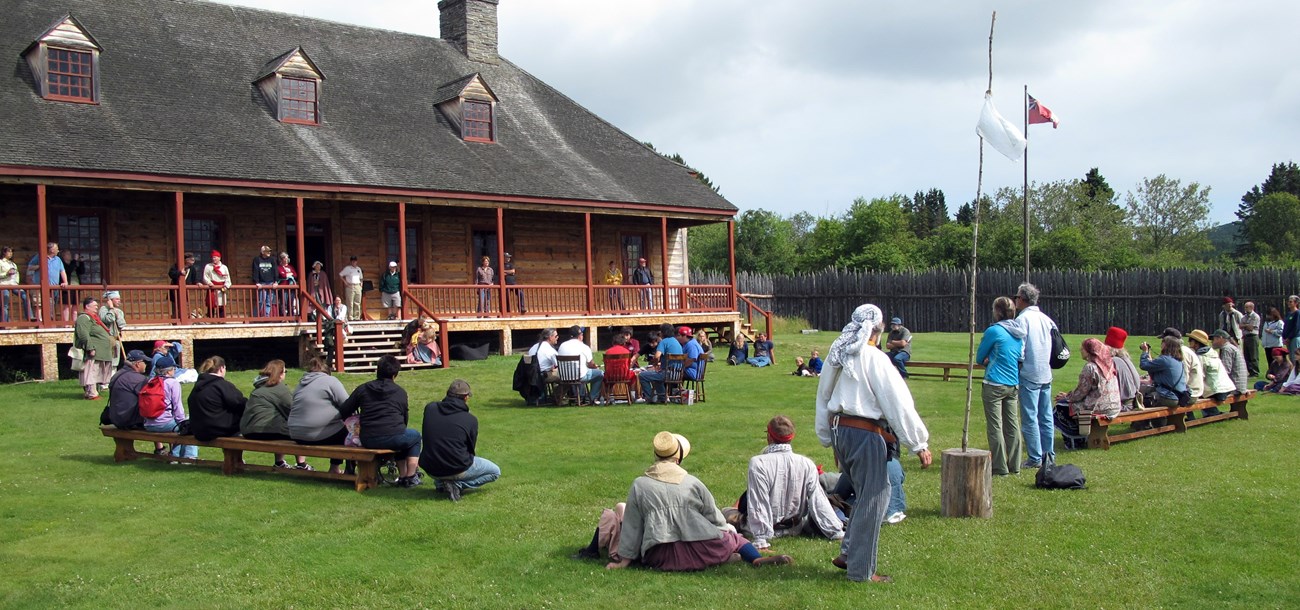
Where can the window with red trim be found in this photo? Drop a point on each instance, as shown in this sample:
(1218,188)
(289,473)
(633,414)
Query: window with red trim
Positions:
(298,100)
(70,75)
(477,121)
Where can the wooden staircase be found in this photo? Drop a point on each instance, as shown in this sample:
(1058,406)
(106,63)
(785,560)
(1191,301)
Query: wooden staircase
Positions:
(371,340)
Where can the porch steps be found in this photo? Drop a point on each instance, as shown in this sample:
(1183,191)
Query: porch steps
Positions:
(371,340)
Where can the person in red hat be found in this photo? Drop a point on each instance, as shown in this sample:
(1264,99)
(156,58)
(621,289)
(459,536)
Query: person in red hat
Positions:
(216,275)
(1279,370)
(1230,321)
(1125,371)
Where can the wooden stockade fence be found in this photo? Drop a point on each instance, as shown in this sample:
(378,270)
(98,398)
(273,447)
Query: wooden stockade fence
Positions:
(1142,301)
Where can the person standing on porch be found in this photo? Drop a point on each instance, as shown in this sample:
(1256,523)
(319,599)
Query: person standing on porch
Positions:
(508,272)
(642,276)
(318,285)
(9,277)
(352,277)
(182,277)
(216,276)
(264,276)
(390,291)
(286,276)
(614,277)
(485,275)
(74,268)
(55,275)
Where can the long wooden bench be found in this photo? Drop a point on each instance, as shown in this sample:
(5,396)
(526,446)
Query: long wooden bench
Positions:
(233,448)
(947,367)
(1097,428)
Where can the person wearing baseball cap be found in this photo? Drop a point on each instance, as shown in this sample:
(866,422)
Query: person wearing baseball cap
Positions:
(672,522)
(899,345)
(642,276)
(390,291)
(693,350)
(450,434)
(264,275)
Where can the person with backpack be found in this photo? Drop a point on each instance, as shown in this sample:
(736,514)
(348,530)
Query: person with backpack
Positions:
(123,410)
(160,406)
(1036,401)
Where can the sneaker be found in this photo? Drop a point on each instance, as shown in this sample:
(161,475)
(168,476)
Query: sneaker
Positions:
(283,464)
(639,401)
(451,489)
(406,482)
(304,466)
(895,518)
(1031,464)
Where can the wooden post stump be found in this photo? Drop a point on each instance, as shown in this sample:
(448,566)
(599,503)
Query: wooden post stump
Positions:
(966,488)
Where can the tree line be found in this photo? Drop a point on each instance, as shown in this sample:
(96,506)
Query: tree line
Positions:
(1073,224)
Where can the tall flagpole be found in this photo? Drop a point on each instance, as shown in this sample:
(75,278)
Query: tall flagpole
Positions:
(1026,191)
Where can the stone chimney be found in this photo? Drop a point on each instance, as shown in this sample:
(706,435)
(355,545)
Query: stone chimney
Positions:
(470,25)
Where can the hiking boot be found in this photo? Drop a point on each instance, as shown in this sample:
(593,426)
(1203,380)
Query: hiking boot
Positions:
(451,489)
(773,560)
(408,482)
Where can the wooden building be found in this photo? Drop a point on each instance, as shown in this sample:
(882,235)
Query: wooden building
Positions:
(137,130)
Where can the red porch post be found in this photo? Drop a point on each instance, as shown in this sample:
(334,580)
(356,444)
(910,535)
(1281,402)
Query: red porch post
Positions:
(401,256)
(591,299)
(42,252)
(501,260)
(663,259)
(302,265)
(182,304)
(731,257)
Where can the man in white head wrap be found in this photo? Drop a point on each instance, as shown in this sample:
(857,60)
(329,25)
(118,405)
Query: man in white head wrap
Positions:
(863,405)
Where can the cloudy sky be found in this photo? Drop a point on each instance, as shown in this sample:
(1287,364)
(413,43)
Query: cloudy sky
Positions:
(805,105)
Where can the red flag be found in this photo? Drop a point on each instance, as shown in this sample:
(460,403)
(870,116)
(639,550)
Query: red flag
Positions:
(1039,113)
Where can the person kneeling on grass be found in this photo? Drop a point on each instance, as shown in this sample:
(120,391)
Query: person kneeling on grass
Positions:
(383,407)
(173,414)
(266,415)
(216,405)
(671,522)
(1279,370)
(450,439)
(314,417)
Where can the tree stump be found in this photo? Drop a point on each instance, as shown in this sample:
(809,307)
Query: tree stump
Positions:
(966,488)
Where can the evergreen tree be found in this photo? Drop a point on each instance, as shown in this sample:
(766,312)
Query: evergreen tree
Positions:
(1284,178)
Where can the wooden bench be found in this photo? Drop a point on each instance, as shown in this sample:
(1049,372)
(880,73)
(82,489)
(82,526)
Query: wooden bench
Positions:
(1097,428)
(233,448)
(946,366)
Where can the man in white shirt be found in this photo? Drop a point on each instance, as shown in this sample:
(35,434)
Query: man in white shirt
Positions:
(544,353)
(575,346)
(352,276)
(862,403)
(782,496)
(1037,404)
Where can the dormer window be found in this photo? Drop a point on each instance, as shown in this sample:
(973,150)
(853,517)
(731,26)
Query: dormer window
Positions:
(470,106)
(65,63)
(291,83)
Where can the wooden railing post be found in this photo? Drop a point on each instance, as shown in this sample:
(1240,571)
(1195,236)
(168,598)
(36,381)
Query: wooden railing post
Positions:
(182,298)
(42,238)
(591,299)
(501,262)
(401,258)
(731,258)
(663,260)
(302,253)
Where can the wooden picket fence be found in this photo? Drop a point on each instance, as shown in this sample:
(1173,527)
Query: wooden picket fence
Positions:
(1142,301)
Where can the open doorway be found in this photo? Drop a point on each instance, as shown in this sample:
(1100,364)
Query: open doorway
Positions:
(316,244)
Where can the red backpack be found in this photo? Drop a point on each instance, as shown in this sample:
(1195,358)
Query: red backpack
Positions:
(153,398)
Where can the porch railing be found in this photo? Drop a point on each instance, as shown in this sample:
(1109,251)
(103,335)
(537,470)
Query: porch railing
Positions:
(154,304)
(748,309)
(461,300)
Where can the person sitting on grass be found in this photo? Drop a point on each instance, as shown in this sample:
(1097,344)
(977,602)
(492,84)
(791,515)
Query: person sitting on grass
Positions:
(706,346)
(314,417)
(384,416)
(782,495)
(801,368)
(671,522)
(173,414)
(266,415)
(1097,393)
(815,363)
(739,352)
(450,443)
(216,405)
(764,353)
(1279,369)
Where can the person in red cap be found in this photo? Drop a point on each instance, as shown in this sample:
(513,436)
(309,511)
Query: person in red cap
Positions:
(1125,371)
(216,275)
(693,350)
(1230,321)
(1279,370)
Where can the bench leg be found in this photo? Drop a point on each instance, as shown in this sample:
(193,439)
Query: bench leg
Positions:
(945,374)
(1240,409)
(367,475)
(1179,421)
(232,461)
(1098,438)
(124,450)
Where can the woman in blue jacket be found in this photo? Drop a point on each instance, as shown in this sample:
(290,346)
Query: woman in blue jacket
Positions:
(999,352)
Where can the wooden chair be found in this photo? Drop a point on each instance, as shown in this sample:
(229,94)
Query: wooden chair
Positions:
(698,384)
(619,380)
(573,390)
(674,371)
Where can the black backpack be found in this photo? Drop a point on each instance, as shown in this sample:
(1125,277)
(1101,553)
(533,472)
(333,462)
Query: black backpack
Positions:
(1064,476)
(1060,351)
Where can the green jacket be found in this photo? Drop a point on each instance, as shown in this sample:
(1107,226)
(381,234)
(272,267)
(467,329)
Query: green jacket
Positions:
(390,283)
(90,335)
(267,410)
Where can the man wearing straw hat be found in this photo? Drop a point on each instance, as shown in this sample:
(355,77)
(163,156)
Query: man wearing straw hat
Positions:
(862,404)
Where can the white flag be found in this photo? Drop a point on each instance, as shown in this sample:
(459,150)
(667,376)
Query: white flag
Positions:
(999,132)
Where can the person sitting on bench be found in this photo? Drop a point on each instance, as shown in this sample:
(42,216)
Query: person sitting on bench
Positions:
(384,417)
(1125,372)
(314,417)
(1218,385)
(1097,393)
(216,405)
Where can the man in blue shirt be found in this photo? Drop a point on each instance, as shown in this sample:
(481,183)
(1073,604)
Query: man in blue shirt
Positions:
(652,381)
(692,349)
(55,275)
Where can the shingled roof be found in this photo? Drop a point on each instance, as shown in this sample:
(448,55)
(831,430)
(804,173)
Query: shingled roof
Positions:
(177,98)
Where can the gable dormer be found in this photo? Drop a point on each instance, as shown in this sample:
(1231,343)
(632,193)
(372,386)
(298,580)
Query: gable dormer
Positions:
(291,83)
(470,105)
(65,62)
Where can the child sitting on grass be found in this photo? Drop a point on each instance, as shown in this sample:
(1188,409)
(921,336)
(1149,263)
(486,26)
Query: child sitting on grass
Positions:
(801,369)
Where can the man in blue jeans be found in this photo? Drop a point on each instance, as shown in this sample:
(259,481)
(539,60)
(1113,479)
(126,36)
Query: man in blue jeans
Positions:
(899,345)
(384,417)
(1036,402)
(450,438)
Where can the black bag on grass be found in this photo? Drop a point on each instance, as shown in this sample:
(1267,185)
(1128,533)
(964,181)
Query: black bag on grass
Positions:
(1064,476)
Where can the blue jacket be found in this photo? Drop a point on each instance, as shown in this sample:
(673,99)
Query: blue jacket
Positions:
(1001,345)
(1166,372)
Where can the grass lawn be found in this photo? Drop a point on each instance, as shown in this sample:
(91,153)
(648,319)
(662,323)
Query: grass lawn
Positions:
(1203,519)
